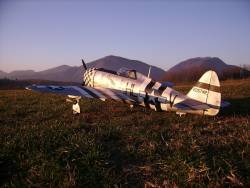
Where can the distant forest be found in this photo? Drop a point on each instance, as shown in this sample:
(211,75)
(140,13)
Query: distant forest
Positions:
(191,75)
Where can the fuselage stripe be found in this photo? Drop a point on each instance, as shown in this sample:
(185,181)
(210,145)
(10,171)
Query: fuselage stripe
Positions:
(148,88)
(208,86)
(160,91)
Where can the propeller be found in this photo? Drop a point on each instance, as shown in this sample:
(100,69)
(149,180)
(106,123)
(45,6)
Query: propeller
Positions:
(84,65)
(85,68)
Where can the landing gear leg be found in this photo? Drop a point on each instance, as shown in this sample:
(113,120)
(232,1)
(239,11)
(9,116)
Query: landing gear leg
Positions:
(75,107)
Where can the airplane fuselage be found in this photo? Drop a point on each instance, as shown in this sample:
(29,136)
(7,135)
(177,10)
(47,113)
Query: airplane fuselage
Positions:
(145,91)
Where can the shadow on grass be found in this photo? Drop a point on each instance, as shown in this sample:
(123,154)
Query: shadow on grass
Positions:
(238,106)
(120,160)
(8,168)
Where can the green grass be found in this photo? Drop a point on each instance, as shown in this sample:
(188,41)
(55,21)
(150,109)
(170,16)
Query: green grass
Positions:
(109,145)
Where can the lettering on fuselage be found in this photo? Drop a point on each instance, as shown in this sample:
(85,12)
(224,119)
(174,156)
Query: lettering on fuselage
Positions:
(130,89)
(199,90)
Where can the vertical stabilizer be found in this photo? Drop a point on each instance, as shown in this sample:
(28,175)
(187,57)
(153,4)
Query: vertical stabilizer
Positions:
(207,90)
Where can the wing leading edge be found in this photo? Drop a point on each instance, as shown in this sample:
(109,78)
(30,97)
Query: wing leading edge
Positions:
(83,91)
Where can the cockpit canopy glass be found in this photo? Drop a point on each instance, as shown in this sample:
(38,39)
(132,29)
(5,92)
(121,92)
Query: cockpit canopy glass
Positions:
(128,73)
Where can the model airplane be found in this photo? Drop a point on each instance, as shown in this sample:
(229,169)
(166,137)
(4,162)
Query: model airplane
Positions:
(134,88)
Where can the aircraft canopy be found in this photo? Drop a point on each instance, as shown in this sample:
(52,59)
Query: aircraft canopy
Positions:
(128,73)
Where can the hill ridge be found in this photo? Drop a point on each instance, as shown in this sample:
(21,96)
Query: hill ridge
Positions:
(193,68)
(67,73)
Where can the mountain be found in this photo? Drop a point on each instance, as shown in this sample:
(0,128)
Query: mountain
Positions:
(54,70)
(63,73)
(115,63)
(21,74)
(3,74)
(66,73)
(185,71)
(192,69)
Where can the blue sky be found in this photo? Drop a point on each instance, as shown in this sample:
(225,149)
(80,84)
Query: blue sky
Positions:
(42,34)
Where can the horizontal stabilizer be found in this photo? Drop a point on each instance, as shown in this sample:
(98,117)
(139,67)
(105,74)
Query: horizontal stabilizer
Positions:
(224,104)
(182,106)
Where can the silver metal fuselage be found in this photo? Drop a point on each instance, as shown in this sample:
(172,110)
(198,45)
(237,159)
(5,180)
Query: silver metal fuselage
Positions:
(145,91)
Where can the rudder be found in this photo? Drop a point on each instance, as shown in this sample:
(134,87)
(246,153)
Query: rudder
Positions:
(207,90)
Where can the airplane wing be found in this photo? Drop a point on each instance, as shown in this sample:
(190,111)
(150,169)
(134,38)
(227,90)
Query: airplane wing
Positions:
(84,91)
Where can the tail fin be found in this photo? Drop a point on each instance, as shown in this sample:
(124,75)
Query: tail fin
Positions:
(207,90)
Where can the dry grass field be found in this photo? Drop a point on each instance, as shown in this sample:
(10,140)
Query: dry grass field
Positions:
(110,145)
